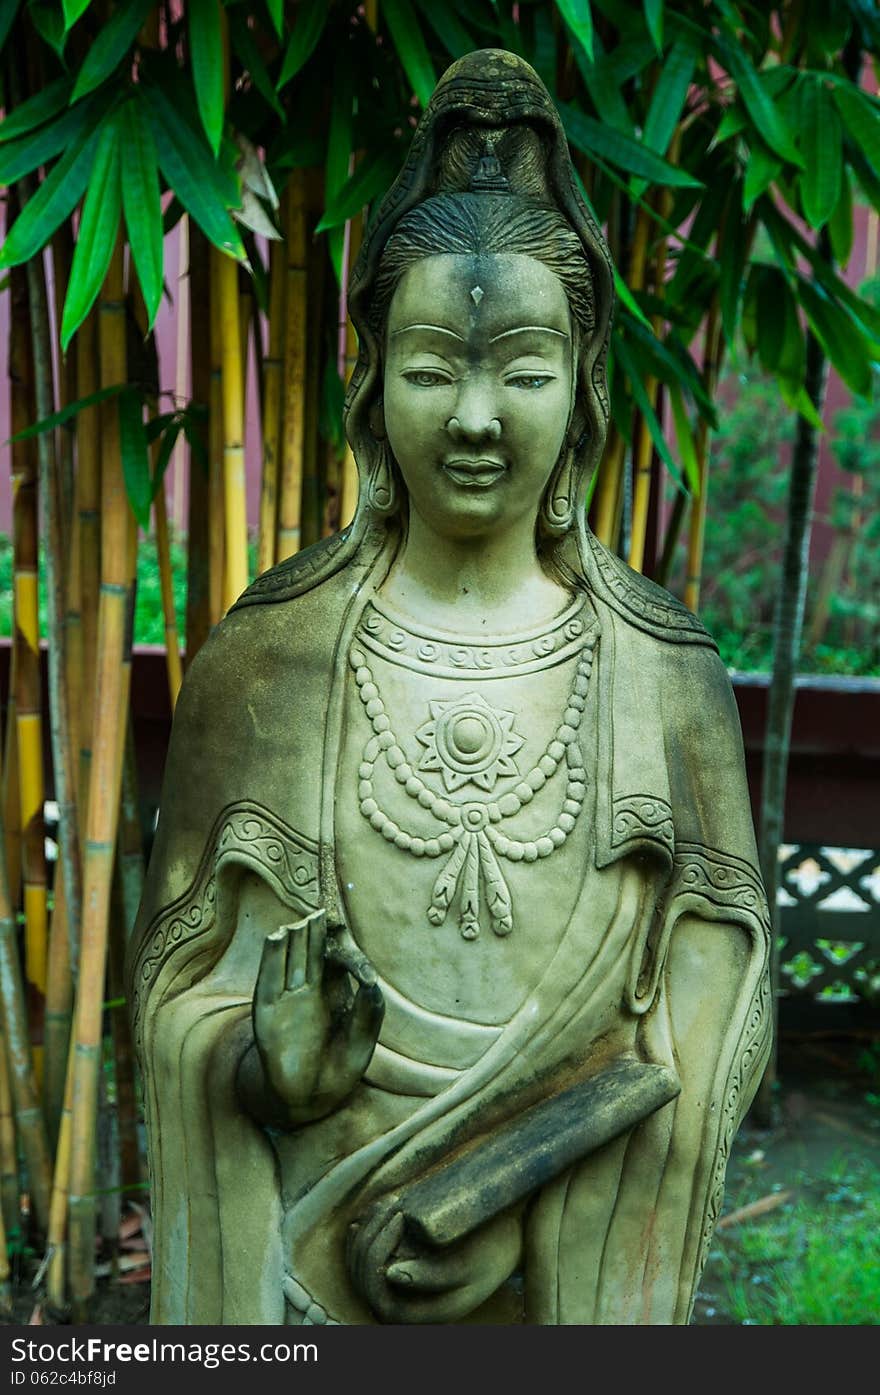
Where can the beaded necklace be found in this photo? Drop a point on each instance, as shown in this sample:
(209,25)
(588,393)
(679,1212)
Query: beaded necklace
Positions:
(473,836)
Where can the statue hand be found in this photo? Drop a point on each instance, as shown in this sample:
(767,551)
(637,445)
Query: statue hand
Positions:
(314,1036)
(405,1280)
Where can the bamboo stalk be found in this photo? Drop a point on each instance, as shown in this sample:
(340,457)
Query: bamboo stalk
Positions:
(232,382)
(198,611)
(178,513)
(10,1198)
(63,753)
(318,310)
(59,1009)
(163,557)
(29,1123)
(609,488)
(295,345)
(11,796)
(28,695)
(56,1238)
(88,503)
(118,539)
(697,522)
(5,1273)
(273,371)
(62,257)
(216,529)
(348,491)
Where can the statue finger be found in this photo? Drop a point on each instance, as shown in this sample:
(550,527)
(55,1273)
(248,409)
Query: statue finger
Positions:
(272,976)
(367,1012)
(343,952)
(430,1273)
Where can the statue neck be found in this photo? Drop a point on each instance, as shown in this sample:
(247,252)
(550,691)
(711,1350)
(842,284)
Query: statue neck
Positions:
(493,582)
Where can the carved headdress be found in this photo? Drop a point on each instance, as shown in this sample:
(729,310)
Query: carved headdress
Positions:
(490,128)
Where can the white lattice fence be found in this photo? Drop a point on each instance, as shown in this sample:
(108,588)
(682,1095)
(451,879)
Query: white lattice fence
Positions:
(829,899)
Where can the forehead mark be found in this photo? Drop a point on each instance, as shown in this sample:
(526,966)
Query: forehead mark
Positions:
(528,329)
(435,329)
(477,294)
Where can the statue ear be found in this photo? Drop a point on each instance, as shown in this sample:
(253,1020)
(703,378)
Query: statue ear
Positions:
(381,484)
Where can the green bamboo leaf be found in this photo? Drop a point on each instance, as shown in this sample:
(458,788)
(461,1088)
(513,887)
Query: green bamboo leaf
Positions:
(765,114)
(276,14)
(665,363)
(732,263)
(111,44)
(820,136)
(206,51)
(339,149)
(163,456)
(733,123)
(578,15)
(636,381)
(789,241)
(774,304)
(37,110)
(626,297)
(409,43)
(69,410)
(862,121)
(603,84)
(48,20)
(844,345)
(97,234)
(135,455)
(246,51)
(840,224)
(196,443)
(684,435)
(761,170)
(594,138)
(8,11)
(371,178)
(73,9)
(29,152)
(311,17)
(54,201)
(448,28)
(798,399)
(142,204)
(188,167)
(670,95)
(654,21)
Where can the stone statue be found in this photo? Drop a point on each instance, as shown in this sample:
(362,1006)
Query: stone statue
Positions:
(450,981)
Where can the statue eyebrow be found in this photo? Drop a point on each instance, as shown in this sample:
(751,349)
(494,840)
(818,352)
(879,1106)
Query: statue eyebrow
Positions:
(436,329)
(526,329)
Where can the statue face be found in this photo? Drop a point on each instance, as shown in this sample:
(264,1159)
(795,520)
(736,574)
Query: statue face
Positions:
(478,388)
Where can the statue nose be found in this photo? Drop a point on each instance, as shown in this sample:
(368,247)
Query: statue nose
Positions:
(474,429)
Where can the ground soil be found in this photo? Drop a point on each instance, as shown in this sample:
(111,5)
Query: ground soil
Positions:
(825,1119)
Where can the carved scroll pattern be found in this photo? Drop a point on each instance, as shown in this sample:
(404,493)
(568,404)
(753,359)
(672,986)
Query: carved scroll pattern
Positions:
(243,833)
(647,607)
(642,816)
(731,889)
(297,572)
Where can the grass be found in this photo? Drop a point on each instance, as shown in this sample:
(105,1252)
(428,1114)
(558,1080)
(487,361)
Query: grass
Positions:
(815,1260)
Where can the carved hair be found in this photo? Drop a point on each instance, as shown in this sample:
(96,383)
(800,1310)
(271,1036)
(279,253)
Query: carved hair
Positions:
(482,223)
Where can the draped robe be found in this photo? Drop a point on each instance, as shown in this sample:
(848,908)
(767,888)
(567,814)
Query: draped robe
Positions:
(664,959)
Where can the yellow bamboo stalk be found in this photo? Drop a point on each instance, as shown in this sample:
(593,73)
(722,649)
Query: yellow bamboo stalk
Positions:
(10,1199)
(198,614)
(609,488)
(28,697)
(216,533)
(117,571)
(232,382)
(348,491)
(314,455)
(88,507)
(273,371)
(11,796)
(178,459)
(295,342)
(56,1238)
(697,521)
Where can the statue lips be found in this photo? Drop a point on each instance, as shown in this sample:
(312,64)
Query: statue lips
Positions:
(474,474)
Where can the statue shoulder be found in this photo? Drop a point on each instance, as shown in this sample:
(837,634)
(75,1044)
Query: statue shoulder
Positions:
(300,572)
(637,600)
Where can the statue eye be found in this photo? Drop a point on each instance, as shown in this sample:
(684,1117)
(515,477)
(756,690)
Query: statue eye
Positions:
(426,377)
(529,381)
